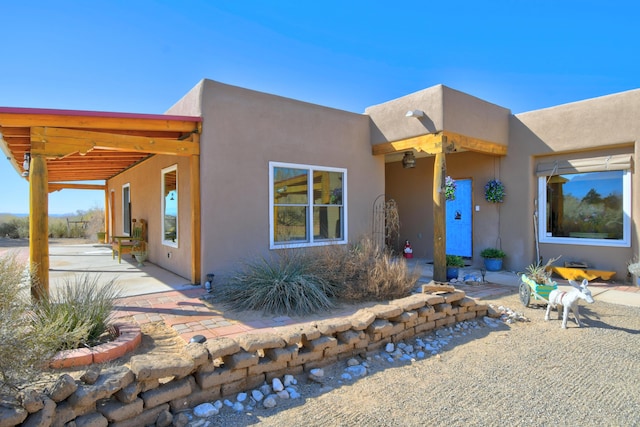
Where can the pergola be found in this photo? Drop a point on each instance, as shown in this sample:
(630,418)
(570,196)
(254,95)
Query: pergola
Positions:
(439,144)
(68,149)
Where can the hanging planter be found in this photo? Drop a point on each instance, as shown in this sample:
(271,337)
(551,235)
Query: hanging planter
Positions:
(450,188)
(494,191)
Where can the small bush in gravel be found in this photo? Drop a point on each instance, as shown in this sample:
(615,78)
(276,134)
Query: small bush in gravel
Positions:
(78,313)
(286,283)
(365,272)
(22,349)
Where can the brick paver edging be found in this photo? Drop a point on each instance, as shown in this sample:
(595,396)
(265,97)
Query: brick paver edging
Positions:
(129,337)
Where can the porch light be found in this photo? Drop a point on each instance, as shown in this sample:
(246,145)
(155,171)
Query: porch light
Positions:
(415,113)
(27,159)
(409,160)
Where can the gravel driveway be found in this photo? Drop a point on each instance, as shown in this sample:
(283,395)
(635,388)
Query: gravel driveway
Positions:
(524,374)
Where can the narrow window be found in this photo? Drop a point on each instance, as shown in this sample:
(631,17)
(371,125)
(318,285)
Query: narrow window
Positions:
(170,206)
(126,210)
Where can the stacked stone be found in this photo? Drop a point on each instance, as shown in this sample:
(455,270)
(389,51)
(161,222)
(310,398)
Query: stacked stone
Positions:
(154,389)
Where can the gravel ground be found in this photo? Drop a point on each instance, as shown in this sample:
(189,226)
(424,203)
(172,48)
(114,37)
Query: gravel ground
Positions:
(524,374)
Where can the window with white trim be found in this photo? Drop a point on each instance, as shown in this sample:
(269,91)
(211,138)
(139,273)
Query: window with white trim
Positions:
(585,207)
(307,205)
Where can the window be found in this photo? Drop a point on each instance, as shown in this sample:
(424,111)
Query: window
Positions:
(307,205)
(586,208)
(126,210)
(170,206)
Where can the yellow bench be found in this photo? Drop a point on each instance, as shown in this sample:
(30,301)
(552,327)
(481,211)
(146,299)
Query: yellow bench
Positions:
(127,244)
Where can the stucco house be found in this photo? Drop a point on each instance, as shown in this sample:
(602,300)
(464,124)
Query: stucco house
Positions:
(229,174)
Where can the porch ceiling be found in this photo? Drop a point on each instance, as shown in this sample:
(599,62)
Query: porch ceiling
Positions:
(92,146)
(440,142)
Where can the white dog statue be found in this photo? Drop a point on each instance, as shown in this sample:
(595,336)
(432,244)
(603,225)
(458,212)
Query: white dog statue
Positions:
(569,301)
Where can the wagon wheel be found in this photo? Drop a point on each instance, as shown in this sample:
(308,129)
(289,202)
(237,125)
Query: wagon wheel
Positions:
(525,294)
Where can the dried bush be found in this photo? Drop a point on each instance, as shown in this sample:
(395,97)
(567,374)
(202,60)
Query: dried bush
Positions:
(23,349)
(365,272)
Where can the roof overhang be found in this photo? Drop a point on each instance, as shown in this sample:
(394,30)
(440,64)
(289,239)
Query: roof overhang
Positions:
(90,145)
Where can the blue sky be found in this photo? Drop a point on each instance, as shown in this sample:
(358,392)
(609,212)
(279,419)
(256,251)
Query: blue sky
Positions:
(142,56)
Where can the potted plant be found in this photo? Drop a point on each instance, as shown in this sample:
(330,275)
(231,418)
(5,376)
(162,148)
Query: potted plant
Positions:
(139,252)
(450,188)
(101,236)
(493,258)
(494,191)
(454,263)
(536,281)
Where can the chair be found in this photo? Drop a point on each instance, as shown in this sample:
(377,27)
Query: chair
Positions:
(127,244)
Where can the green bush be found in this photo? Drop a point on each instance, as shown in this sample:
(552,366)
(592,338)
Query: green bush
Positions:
(285,284)
(492,253)
(455,261)
(78,313)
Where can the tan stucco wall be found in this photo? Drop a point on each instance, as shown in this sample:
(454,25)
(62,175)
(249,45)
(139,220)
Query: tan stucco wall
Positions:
(146,198)
(444,109)
(609,125)
(243,131)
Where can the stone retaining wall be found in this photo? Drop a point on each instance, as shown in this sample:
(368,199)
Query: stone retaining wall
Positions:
(152,390)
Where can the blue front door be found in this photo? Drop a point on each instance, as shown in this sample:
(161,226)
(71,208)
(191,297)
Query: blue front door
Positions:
(459,220)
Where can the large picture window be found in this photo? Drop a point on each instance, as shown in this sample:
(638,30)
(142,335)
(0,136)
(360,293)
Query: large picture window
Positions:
(307,205)
(586,208)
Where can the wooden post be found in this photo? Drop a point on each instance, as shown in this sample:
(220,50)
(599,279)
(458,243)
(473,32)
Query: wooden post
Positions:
(195,218)
(439,223)
(39,227)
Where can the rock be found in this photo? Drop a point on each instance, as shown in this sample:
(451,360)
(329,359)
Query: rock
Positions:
(352,362)
(316,375)
(389,348)
(257,395)
(64,387)
(293,393)
(265,390)
(91,375)
(269,402)
(238,407)
(205,410)
(276,384)
(356,371)
(283,394)
(289,380)
(241,397)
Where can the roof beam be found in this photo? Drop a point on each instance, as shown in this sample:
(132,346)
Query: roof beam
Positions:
(122,121)
(57,186)
(440,142)
(61,142)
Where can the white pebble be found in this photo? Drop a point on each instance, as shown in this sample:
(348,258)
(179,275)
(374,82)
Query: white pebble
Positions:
(218,404)
(228,403)
(277,385)
(283,394)
(257,395)
(357,371)
(389,348)
(289,380)
(352,362)
(241,397)
(238,407)
(205,410)
(269,402)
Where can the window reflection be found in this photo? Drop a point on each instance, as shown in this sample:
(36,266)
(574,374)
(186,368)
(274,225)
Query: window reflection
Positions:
(170,205)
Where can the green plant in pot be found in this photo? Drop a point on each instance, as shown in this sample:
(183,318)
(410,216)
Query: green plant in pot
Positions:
(493,258)
(454,263)
(139,252)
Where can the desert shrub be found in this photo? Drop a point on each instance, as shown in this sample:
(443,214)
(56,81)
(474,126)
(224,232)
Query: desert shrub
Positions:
(15,228)
(365,272)
(57,228)
(284,284)
(22,349)
(78,313)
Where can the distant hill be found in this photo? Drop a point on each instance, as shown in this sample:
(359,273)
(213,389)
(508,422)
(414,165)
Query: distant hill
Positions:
(22,215)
